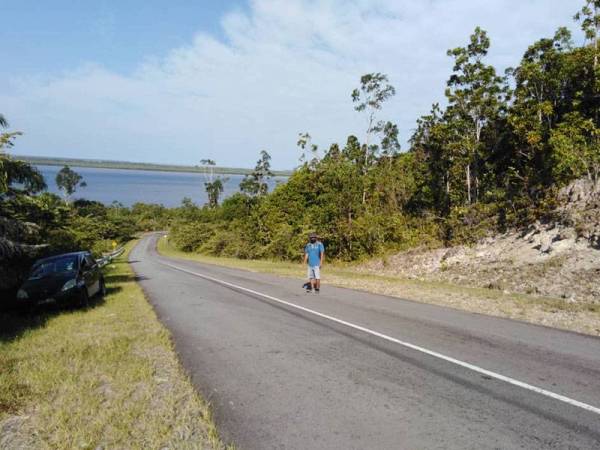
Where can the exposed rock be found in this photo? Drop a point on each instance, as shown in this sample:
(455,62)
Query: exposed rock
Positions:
(559,259)
(451,252)
(546,244)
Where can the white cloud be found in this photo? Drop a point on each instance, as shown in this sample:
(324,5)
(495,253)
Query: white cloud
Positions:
(285,67)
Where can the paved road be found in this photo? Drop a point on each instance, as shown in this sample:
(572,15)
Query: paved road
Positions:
(281,377)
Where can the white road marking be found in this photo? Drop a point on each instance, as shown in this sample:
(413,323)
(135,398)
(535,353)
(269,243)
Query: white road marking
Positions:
(449,359)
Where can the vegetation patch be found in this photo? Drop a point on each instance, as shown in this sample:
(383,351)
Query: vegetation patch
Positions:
(102,377)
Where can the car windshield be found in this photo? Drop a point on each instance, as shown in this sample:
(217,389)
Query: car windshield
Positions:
(54,266)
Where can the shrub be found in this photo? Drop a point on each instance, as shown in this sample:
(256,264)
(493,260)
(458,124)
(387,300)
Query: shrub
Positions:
(190,237)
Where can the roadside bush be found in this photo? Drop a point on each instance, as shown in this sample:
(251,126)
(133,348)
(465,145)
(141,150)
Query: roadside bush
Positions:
(286,242)
(102,246)
(468,224)
(61,241)
(190,237)
(151,217)
(404,232)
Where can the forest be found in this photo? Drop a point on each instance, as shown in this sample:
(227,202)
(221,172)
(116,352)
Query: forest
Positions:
(488,157)
(491,156)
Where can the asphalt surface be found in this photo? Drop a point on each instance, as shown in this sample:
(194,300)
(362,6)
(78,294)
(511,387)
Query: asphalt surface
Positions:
(279,377)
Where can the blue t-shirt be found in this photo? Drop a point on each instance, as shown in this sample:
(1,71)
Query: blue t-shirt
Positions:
(314,253)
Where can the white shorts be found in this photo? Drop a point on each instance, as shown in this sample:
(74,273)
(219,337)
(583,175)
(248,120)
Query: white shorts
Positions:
(314,273)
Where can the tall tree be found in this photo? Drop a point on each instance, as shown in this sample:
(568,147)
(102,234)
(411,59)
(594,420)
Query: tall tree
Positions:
(308,148)
(209,169)
(214,190)
(68,181)
(213,186)
(542,95)
(18,180)
(14,171)
(589,18)
(430,140)
(255,184)
(475,98)
(369,97)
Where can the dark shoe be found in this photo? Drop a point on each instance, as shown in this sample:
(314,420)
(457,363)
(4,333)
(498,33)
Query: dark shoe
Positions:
(317,290)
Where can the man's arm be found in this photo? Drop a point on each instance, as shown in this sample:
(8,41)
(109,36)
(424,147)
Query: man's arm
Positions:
(305,256)
(322,255)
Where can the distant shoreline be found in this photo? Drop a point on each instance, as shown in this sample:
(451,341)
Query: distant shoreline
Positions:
(125,165)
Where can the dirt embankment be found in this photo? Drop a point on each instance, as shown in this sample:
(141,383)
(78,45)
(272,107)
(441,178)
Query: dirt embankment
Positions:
(560,259)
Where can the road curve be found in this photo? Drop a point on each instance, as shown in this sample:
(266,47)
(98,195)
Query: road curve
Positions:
(288,376)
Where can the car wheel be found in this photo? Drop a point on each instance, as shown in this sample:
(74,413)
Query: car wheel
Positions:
(102,290)
(84,299)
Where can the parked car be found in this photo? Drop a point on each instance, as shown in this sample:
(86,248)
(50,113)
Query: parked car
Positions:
(71,278)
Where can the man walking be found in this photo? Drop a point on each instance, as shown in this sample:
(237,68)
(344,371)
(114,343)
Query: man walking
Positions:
(314,252)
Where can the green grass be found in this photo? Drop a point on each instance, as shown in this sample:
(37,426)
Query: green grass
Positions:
(581,317)
(103,377)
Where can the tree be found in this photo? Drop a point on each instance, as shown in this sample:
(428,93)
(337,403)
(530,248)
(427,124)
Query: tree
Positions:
(430,140)
(68,181)
(589,17)
(255,184)
(369,98)
(553,81)
(6,142)
(575,145)
(209,167)
(474,96)
(213,187)
(18,237)
(16,172)
(374,90)
(214,190)
(305,143)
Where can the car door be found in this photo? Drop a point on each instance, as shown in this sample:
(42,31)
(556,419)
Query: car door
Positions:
(91,275)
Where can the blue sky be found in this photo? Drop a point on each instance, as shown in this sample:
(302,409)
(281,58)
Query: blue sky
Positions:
(55,35)
(178,81)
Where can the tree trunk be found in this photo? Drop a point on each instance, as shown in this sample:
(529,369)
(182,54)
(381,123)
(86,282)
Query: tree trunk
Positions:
(596,63)
(596,13)
(468,173)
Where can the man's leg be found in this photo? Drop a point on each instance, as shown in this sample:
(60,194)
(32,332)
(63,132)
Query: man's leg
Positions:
(317,272)
(309,283)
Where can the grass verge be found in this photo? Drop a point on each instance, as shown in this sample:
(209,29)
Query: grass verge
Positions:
(557,313)
(103,377)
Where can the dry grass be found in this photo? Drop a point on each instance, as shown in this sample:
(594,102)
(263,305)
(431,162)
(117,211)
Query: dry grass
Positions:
(553,312)
(103,377)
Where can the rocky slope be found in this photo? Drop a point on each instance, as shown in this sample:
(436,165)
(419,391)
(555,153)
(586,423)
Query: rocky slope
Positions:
(560,259)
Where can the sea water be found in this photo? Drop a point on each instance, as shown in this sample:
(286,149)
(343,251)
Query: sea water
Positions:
(132,186)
